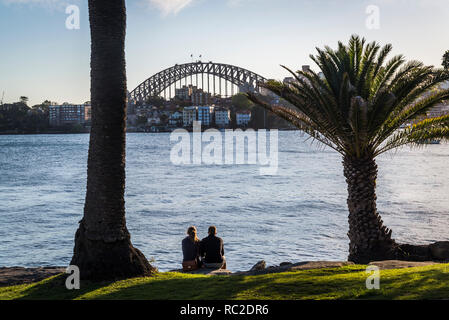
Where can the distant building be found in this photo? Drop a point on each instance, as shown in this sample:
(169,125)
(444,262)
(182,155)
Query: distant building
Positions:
(153,118)
(131,119)
(193,94)
(87,113)
(200,98)
(144,110)
(131,108)
(290,80)
(267,93)
(246,87)
(69,114)
(205,115)
(222,117)
(189,114)
(12,106)
(243,118)
(305,69)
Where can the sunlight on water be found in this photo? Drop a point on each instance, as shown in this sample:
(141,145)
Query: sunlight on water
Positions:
(299,214)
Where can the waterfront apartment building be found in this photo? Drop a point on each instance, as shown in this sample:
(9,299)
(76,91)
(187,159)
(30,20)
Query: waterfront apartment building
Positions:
(67,113)
(153,118)
(200,97)
(189,114)
(205,115)
(243,118)
(222,117)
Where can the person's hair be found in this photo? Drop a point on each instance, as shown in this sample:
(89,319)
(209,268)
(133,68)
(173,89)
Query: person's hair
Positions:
(192,234)
(212,230)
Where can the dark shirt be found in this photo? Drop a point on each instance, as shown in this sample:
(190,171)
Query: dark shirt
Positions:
(212,249)
(190,250)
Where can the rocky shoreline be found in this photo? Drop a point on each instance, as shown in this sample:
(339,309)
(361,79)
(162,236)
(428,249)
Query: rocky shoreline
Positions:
(10,276)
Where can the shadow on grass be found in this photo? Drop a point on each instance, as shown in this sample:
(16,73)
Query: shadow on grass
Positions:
(419,285)
(287,286)
(204,288)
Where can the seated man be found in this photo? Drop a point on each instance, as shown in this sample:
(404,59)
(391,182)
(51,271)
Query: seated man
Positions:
(212,250)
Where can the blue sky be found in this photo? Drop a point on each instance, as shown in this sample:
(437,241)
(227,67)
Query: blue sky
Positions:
(42,59)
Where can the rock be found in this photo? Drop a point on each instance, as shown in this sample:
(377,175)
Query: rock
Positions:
(19,275)
(206,272)
(410,252)
(307,265)
(399,264)
(440,250)
(261,265)
(296,266)
(285,264)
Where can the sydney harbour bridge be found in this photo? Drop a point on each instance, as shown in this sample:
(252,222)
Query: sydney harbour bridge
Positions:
(216,78)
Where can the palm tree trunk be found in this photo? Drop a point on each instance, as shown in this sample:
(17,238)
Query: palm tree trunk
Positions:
(369,239)
(103,248)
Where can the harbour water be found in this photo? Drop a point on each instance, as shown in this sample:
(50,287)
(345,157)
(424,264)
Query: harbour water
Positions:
(299,214)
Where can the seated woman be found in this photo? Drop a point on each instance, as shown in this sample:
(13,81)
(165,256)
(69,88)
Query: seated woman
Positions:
(212,249)
(191,250)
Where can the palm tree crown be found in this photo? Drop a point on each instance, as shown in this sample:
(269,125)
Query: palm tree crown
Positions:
(361,100)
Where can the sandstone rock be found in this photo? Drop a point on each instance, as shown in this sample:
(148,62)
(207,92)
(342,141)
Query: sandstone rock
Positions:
(261,265)
(400,264)
(19,275)
(297,266)
(206,272)
(440,250)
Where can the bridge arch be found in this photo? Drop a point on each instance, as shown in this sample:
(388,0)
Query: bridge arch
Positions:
(157,84)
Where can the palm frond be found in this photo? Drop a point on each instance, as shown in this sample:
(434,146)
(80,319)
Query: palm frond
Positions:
(391,124)
(429,129)
(299,120)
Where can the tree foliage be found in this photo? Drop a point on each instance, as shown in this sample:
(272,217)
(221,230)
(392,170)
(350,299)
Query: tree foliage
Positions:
(24,99)
(156,101)
(241,102)
(19,118)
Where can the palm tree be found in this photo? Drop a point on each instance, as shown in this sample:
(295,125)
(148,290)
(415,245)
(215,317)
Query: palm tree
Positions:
(356,107)
(103,248)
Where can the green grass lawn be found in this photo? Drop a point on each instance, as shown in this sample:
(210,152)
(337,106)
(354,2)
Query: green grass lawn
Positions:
(431,282)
